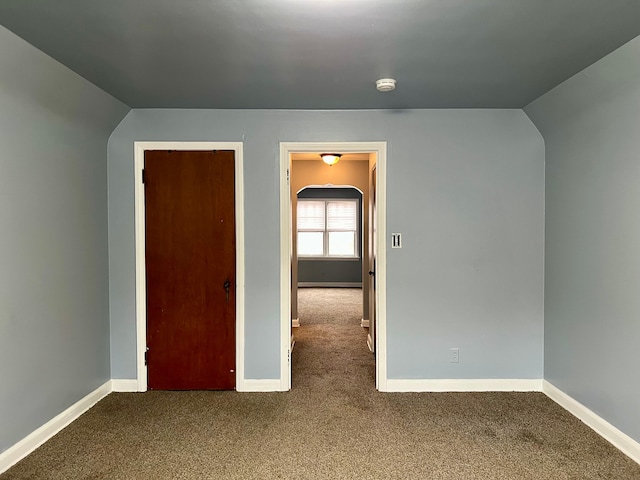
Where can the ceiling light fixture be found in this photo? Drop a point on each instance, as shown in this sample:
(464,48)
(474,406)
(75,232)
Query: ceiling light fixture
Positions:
(386,84)
(330,158)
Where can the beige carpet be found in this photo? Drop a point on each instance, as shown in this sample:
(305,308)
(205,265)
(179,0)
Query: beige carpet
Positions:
(332,425)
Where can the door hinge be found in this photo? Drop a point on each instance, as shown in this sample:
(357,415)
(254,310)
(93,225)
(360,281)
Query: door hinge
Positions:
(146,355)
(289,356)
(287,176)
(143,176)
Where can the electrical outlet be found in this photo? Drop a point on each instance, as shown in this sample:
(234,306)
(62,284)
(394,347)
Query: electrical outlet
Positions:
(454,355)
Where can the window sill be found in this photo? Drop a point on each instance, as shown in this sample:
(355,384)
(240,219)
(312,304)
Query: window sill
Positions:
(329,259)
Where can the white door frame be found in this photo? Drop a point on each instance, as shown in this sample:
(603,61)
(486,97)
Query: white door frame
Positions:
(380,150)
(141,287)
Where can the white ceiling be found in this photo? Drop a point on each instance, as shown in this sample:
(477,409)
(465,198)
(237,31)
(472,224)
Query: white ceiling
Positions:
(324,54)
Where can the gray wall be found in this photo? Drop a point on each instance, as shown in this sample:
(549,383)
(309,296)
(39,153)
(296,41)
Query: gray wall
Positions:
(465,187)
(54,312)
(329,270)
(590,126)
(347,272)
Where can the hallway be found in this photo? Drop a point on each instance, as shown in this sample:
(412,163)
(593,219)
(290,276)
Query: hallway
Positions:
(331,346)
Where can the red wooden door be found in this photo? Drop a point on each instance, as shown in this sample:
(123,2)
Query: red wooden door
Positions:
(190,257)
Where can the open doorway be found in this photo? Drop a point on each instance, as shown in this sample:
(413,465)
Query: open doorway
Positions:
(330,250)
(370,160)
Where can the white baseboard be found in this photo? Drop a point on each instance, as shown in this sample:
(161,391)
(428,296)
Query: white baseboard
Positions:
(295,322)
(364,323)
(124,385)
(464,385)
(266,385)
(24,447)
(613,435)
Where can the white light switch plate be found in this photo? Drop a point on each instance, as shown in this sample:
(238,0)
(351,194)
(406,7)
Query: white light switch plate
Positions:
(396,240)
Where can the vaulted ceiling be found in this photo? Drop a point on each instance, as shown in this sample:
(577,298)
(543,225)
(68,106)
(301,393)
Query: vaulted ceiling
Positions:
(324,54)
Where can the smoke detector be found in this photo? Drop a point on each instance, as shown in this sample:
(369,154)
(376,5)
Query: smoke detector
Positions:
(386,84)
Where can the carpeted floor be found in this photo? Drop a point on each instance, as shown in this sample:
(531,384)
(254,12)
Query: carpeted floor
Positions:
(332,425)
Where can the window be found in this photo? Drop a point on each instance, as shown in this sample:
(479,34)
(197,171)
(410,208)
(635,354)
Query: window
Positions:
(328,228)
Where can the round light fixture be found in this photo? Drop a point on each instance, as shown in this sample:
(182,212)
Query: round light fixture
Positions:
(386,84)
(330,158)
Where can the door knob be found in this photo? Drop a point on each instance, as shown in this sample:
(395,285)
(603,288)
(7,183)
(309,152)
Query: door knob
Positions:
(226,285)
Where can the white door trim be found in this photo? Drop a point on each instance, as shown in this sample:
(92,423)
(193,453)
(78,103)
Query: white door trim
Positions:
(141,288)
(380,150)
